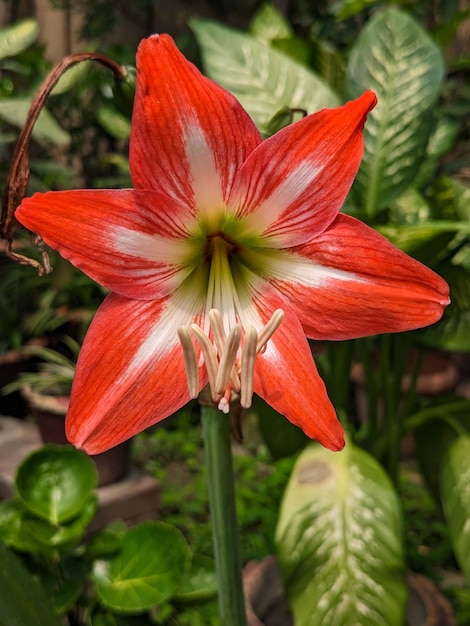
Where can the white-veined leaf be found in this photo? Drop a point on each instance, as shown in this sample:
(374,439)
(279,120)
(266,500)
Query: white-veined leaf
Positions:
(263,79)
(339,540)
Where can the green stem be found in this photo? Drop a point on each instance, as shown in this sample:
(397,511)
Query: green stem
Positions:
(217,441)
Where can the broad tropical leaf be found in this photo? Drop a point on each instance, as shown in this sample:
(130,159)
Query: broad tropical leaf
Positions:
(339,541)
(394,57)
(455,498)
(263,79)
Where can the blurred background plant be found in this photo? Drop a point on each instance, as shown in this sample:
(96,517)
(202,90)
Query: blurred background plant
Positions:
(408,446)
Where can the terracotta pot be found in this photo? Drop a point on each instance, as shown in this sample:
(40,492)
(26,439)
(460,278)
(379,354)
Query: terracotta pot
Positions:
(267,606)
(49,414)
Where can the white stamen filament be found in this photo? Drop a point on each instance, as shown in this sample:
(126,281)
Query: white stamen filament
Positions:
(248,367)
(210,358)
(228,359)
(190,361)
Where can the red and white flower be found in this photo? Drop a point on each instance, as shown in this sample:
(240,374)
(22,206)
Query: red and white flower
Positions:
(230,246)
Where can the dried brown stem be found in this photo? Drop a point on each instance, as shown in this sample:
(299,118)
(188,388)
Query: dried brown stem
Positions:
(18,177)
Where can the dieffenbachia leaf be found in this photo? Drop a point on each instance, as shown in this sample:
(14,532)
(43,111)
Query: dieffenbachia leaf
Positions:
(396,58)
(339,541)
(455,498)
(263,79)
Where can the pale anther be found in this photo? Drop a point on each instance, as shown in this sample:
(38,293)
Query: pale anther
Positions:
(269,329)
(190,361)
(210,358)
(250,350)
(228,358)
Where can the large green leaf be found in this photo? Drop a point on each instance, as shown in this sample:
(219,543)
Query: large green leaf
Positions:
(263,79)
(455,498)
(46,130)
(17,37)
(23,601)
(147,571)
(56,483)
(339,541)
(394,57)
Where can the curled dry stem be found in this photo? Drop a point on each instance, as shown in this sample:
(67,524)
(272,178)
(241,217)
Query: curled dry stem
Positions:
(18,177)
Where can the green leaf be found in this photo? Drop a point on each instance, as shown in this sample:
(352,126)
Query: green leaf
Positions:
(339,540)
(55,483)
(17,37)
(113,122)
(199,585)
(452,332)
(75,74)
(269,24)
(394,57)
(147,571)
(13,527)
(455,498)
(63,536)
(263,79)
(280,436)
(352,7)
(22,599)
(46,130)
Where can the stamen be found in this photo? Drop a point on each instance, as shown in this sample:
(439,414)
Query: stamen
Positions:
(190,361)
(250,350)
(228,359)
(269,329)
(210,358)
(217,325)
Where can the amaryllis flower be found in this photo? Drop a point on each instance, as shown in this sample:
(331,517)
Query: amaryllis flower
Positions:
(228,252)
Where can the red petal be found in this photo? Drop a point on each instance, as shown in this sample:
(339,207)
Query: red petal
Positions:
(286,378)
(189,136)
(293,185)
(130,241)
(355,283)
(130,373)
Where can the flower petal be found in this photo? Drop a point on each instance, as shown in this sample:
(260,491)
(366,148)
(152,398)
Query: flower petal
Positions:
(189,136)
(293,185)
(351,282)
(112,236)
(130,373)
(286,377)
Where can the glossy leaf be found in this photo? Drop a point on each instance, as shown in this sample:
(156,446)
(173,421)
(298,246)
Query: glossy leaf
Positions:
(113,122)
(147,571)
(56,483)
(455,498)
(263,79)
(23,600)
(54,536)
(17,37)
(394,57)
(46,130)
(339,541)
(13,527)
(199,585)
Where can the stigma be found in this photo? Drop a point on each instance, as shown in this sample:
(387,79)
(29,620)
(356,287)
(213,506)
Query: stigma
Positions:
(229,359)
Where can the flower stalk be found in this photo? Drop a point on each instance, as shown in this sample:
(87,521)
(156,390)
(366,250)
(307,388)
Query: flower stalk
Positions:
(225,537)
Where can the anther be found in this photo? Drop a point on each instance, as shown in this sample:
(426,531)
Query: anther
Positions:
(269,329)
(250,350)
(228,359)
(210,359)
(190,361)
